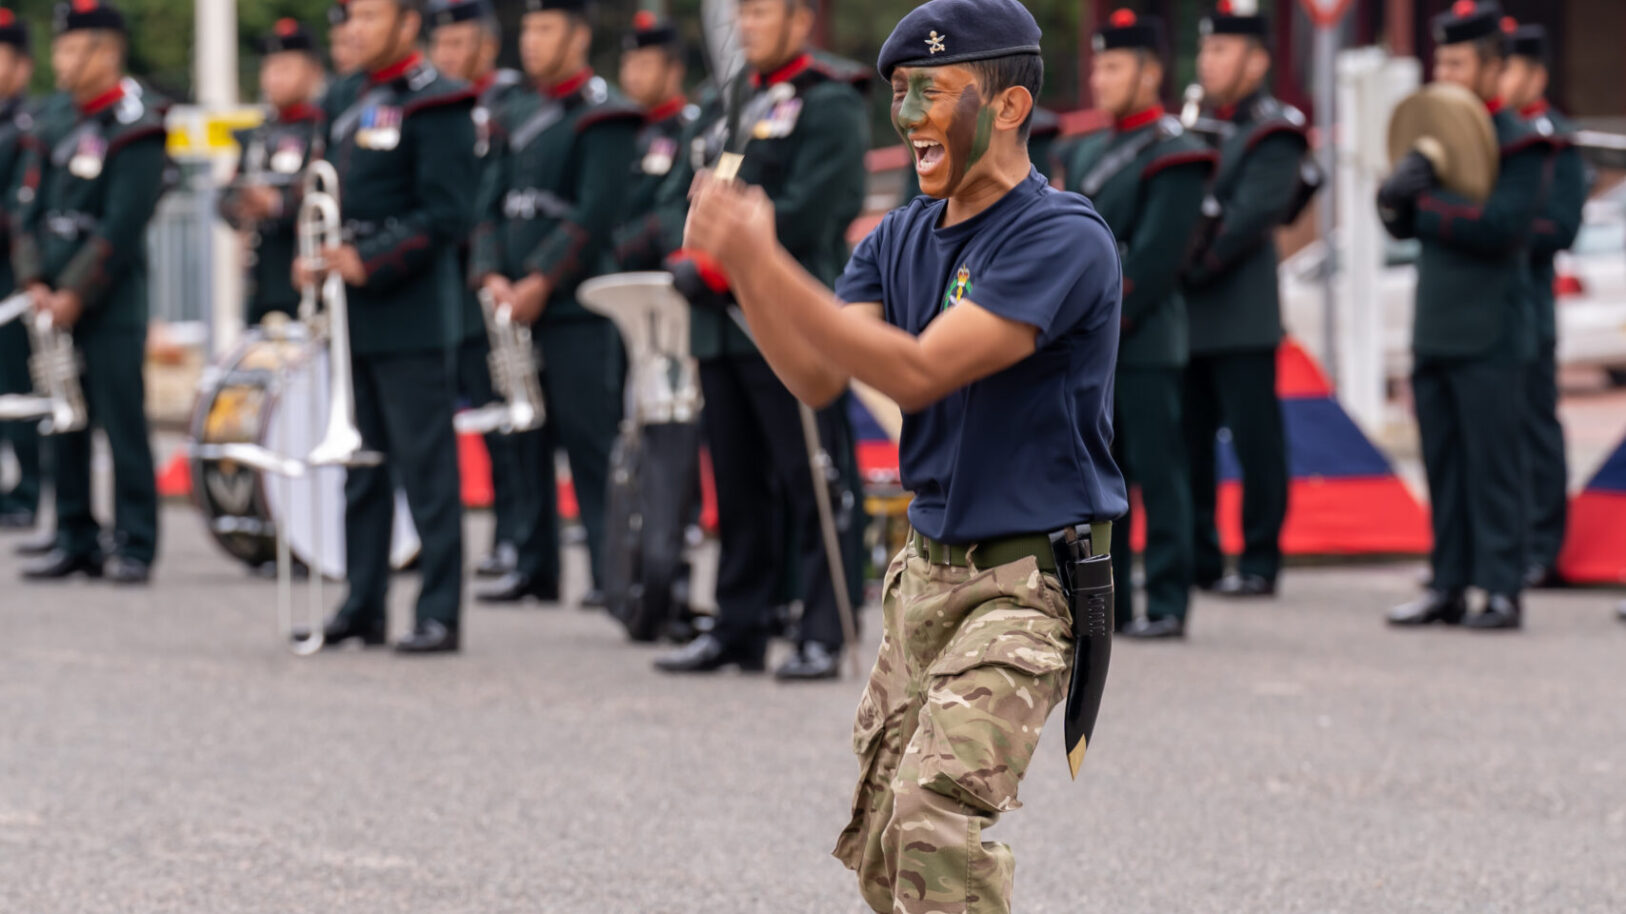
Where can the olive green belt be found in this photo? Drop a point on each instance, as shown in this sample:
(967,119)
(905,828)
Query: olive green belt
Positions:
(1004,550)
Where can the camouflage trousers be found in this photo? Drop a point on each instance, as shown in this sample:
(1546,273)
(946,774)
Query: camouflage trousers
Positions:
(971,663)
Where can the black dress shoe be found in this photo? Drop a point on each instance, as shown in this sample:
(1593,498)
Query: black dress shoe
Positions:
(58,564)
(708,653)
(812,661)
(125,570)
(502,559)
(593,599)
(39,545)
(16,520)
(429,637)
(1542,577)
(515,588)
(1620,611)
(1500,614)
(1433,607)
(1155,629)
(345,627)
(1243,586)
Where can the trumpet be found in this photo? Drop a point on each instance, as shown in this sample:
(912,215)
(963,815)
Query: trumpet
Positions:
(58,400)
(514,367)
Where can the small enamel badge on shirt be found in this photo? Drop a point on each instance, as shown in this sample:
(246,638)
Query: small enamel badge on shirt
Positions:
(960,288)
(88,157)
(380,128)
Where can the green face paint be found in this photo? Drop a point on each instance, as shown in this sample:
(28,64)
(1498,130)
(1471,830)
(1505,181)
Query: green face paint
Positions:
(985,130)
(910,111)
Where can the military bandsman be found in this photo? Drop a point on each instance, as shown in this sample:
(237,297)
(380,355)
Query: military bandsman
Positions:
(20,503)
(564,146)
(464,44)
(652,72)
(809,133)
(1147,177)
(1524,90)
(1473,336)
(263,200)
(401,136)
(1233,302)
(91,180)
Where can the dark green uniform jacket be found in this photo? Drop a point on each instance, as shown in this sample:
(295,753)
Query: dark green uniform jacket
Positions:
(491,94)
(807,154)
(1556,227)
(640,241)
(1147,178)
(16,120)
(89,185)
(274,155)
(556,190)
(1231,291)
(1473,276)
(403,144)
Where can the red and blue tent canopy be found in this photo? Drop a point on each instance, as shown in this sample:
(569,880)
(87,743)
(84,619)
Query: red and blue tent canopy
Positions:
(1595,541)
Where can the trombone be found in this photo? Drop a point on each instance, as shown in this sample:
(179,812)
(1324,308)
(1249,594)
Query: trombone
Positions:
(57,400)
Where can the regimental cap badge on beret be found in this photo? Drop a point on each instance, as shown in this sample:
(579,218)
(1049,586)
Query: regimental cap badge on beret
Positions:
(942,32)
(1468,20)
(74,15)
(1127,31)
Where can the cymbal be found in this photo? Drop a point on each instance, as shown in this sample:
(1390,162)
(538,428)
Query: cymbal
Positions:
(1449,125)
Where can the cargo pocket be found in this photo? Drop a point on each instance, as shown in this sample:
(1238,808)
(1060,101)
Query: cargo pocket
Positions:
(868,737)
(989,695)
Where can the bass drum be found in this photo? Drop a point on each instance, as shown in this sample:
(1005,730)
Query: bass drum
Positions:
(262,393)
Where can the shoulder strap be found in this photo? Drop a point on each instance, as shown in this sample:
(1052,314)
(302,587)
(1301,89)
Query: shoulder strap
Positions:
(550,113)
(1116,160)
(345,123)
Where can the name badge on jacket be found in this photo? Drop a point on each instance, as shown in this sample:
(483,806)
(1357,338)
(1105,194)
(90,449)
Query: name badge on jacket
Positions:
(380,128)
(88,157)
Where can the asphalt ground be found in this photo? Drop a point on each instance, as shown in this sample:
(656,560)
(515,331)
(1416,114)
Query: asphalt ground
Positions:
(161,752)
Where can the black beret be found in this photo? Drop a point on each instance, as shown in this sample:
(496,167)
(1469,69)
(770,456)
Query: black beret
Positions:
(1225,21)
(649,31)
(1124,30)
(1468,20)
(74,15)
(287,35)
(941,32)
(448,12)
(1528,41)
(578,7)
(14,31)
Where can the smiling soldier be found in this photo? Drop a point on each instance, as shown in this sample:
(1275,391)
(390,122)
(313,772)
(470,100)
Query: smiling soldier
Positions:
(989,310)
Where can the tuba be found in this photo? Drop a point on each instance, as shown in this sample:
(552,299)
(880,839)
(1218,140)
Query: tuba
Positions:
(57,401)
(1449,125)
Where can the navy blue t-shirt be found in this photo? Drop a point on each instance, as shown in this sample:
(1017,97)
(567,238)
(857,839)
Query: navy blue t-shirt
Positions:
(1027,450)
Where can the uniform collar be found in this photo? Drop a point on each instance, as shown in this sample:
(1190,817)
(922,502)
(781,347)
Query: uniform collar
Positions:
(480,85)
(569,86)
(1139,119)
(1232,112)
(395,70)
(787,72)
(298,111)
(1494,106)
(104,101)
(669,108)
(1535,108)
